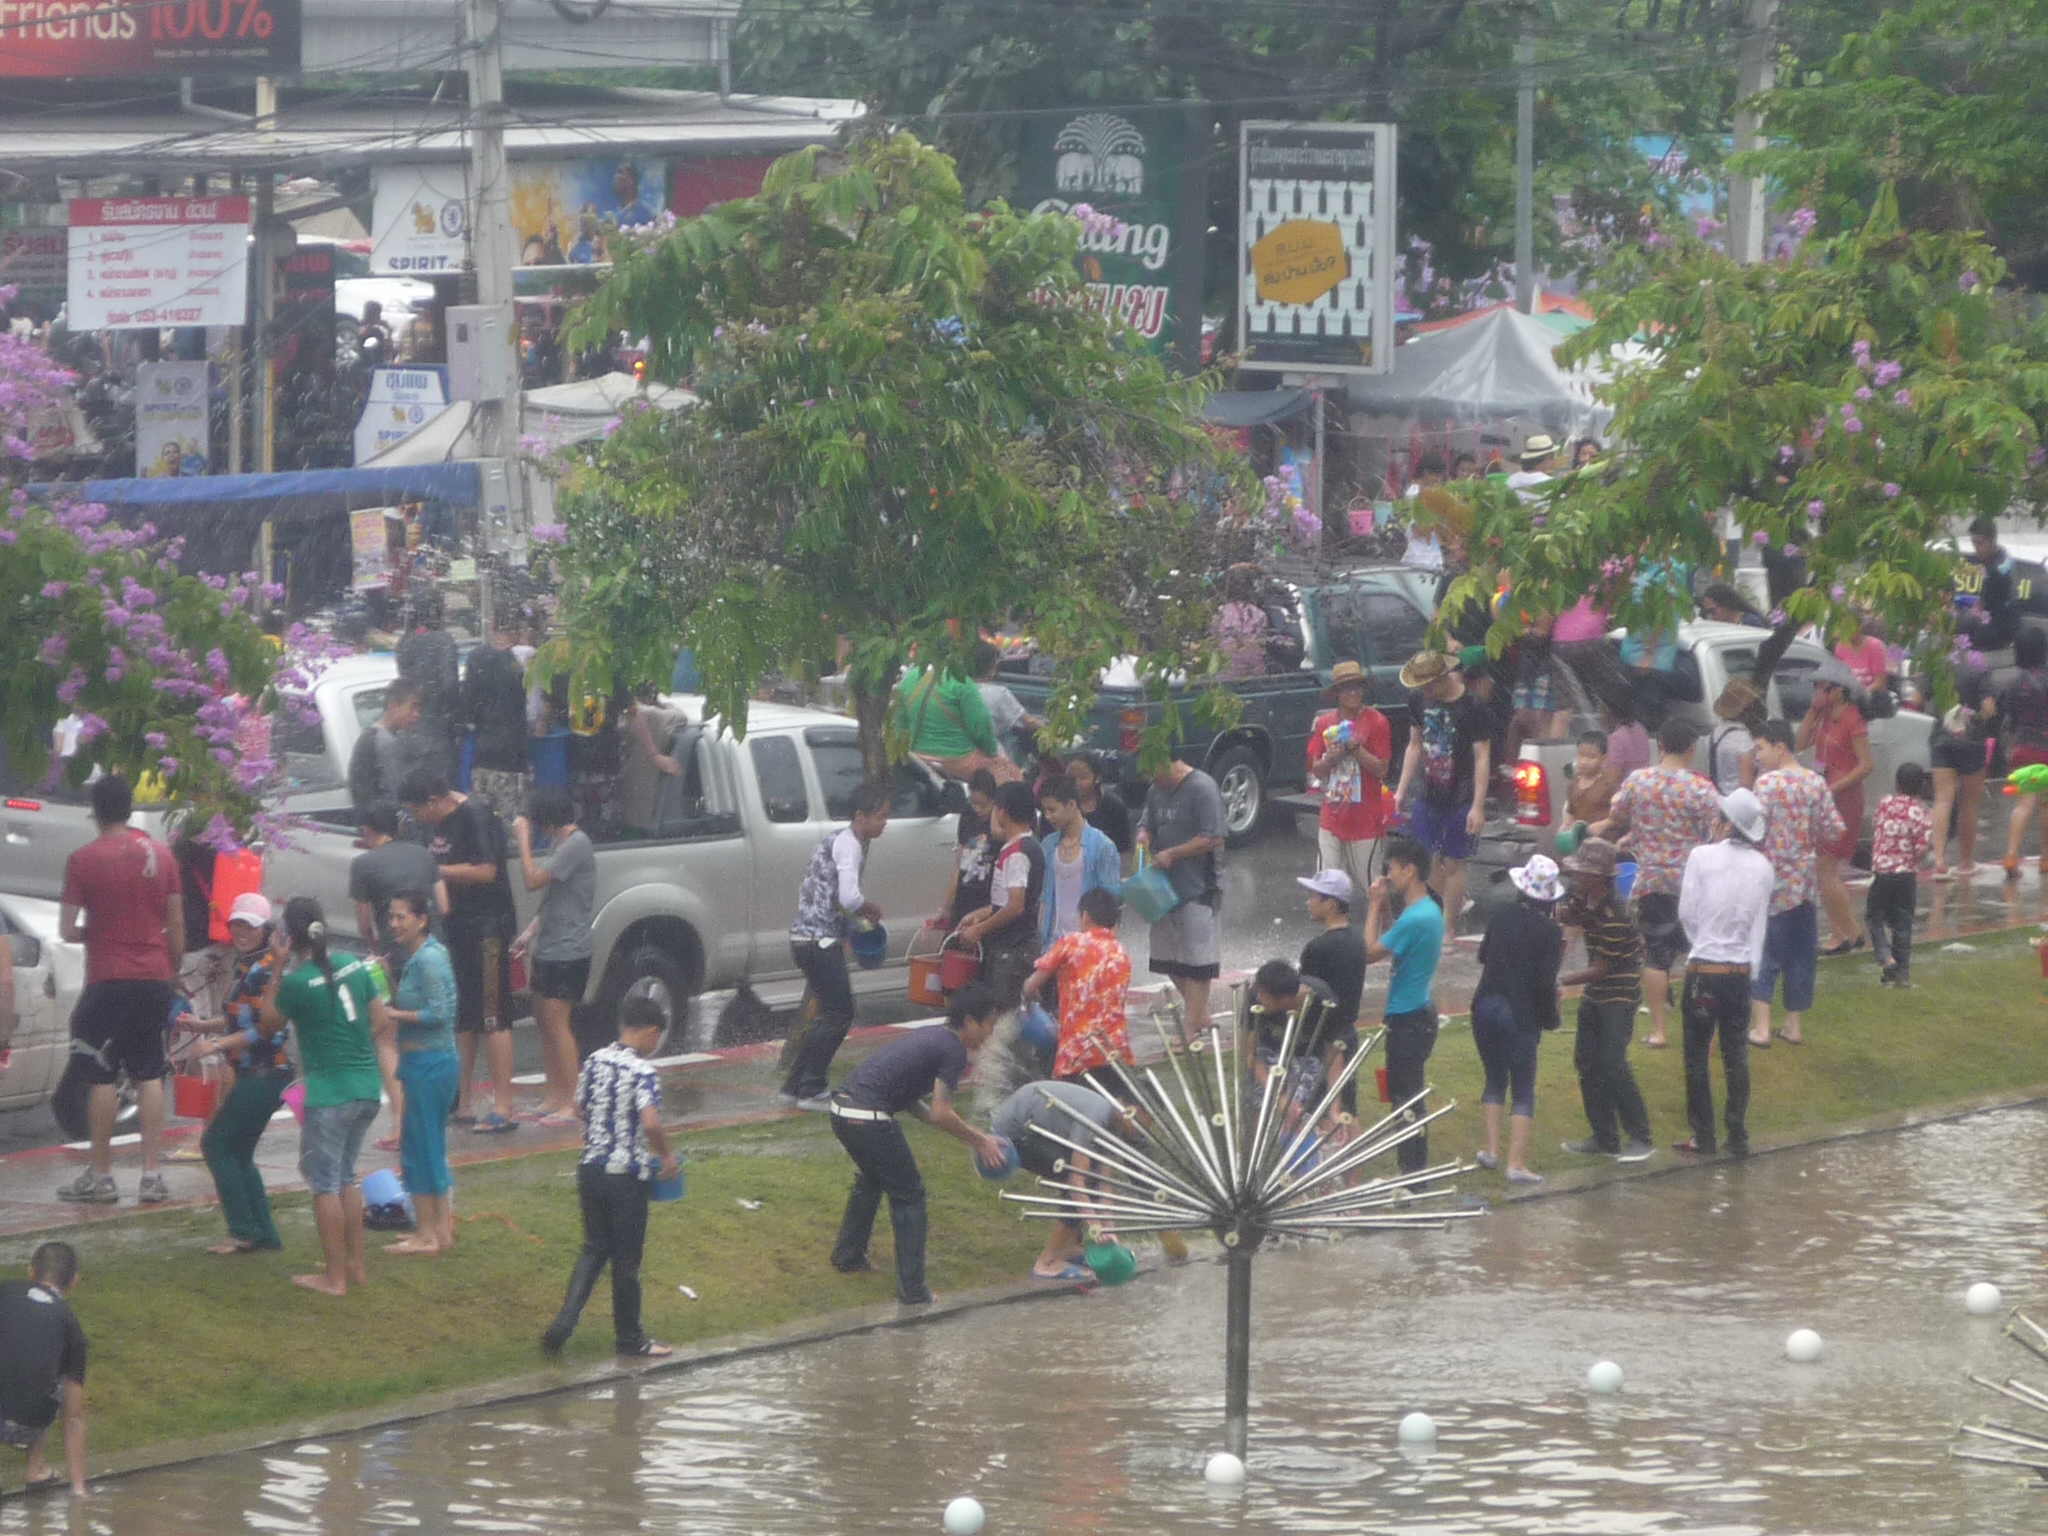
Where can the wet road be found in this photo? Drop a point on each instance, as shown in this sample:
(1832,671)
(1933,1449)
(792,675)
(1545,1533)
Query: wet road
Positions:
(1094,1413)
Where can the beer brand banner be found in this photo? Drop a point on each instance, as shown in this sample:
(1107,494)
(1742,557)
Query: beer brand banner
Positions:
(1133,166)
(171,424)
(1316,247)
(99,39)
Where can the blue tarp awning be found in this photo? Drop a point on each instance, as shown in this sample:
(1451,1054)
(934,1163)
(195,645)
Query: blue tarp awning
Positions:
(457,483)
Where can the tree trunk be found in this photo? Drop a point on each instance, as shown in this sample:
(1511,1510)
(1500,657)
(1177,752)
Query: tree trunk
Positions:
(871,713)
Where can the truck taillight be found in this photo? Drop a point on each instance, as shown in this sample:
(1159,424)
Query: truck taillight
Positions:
(24,805)
(1532,795)
(1130,723)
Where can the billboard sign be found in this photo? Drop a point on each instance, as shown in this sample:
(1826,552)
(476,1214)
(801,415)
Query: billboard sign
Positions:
(1316,247)
(401,401)
(1133,166)
(563,212)
(140,263)
(55,39)
(171,423)
(419,222)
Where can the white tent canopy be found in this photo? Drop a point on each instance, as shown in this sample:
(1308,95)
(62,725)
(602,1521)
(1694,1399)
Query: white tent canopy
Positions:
(1501,368)
(557,416)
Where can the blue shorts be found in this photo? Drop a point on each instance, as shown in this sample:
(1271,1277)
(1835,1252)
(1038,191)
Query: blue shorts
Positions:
(1441,829)
(1791,947)
(330,1143)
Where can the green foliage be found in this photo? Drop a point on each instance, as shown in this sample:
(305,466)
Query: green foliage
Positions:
(911,429)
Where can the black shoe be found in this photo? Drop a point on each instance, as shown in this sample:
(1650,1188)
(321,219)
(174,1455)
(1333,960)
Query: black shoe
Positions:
(858,1267)
(1738,1149)
(926,1300)
(552,1342)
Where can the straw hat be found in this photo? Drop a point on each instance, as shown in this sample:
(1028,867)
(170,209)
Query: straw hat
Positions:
(1737,699)
(1539,447)
(1346,674)
(1425,667)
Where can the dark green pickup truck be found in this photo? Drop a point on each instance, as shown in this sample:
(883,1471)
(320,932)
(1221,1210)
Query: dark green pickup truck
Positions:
(1374,615)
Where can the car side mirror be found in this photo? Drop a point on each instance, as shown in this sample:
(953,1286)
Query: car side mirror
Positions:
(952,797)
(28,949)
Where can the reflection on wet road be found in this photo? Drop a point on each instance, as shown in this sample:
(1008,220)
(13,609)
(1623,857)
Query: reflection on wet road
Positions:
(1092,1414)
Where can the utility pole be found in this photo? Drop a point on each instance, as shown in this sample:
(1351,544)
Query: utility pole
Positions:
(491,254)
(1525,174)
(1756,71)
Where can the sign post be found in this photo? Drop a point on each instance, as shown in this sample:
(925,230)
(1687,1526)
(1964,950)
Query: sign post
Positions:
(1316,247)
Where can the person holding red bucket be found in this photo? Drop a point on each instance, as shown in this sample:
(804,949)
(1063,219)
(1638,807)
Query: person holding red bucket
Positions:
(262,1073)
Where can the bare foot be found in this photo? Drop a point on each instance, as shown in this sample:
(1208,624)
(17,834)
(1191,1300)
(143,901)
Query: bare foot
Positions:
(232,1245)
(1655,1042)
(358,1275)
(322,1284)
(412,1245)
(1759,1039)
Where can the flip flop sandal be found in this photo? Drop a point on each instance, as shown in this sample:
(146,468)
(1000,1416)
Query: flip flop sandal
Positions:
(1067,1276)
(493,1125)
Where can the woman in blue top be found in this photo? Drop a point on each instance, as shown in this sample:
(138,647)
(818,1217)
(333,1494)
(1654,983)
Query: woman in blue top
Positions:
(262,1074)
(422,1016)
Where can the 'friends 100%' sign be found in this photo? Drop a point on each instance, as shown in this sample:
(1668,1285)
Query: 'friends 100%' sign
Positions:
(94,39)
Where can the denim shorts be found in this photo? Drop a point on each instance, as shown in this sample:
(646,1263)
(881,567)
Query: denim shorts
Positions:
(1791,948)
(330,1142)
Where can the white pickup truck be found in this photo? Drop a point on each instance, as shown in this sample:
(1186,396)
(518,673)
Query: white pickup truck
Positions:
(1709,655)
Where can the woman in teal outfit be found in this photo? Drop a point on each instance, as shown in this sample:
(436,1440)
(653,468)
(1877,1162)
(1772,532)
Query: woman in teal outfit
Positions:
(422,1014)
(262,1073)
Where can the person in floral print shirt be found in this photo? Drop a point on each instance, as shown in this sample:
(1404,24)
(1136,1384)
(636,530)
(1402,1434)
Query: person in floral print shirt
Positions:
(1668,810)
(1803,820)
(1901,832)
(1092,971)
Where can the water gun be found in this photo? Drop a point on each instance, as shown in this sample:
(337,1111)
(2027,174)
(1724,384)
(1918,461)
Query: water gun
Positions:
(1341,735)
(2030,780)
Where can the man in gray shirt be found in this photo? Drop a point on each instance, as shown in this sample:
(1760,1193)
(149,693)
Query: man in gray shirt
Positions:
(559,939)
(1044,1106)
(383,753)
(389,868)
(1182,834)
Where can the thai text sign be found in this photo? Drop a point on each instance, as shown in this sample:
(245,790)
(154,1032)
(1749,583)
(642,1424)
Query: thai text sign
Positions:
(95,39)
(1316,247)
(139,263)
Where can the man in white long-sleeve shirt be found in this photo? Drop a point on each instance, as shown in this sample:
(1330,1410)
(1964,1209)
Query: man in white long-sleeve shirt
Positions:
(1724,905)
(828,902)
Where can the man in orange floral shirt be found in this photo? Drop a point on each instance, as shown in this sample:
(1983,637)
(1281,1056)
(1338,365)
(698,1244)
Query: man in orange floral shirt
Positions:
(1092,973)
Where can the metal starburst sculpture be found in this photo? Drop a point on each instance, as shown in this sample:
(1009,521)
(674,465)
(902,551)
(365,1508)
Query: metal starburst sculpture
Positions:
(1223,1151)
(2016,1447)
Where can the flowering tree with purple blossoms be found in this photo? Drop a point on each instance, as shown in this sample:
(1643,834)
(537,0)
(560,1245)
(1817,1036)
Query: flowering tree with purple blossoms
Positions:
(1855,403)
(164,673)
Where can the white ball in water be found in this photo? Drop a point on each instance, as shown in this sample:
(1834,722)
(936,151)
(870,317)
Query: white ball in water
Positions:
(1603,1376)
(1983,1299)
(1803,1346)
(1418,1429)
(1223,1470)
(964,1517)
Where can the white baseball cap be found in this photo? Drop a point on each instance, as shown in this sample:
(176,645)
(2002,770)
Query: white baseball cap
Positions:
(1333,883)
(250,907)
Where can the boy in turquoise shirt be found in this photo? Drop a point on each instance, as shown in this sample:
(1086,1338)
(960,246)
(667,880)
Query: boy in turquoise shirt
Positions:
(1413,941)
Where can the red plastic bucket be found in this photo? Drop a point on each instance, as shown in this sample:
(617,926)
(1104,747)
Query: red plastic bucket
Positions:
(957,966)
(1386,1096)
(194,1098)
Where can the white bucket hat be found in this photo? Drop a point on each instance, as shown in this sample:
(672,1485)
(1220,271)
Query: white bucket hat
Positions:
(1746,814)
(1537,879)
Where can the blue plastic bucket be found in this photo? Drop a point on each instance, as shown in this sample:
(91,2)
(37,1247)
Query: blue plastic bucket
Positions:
(1011,1162)
(870,946)
(1150,894)
(550,758)
(667,1189)
(383,1188)
(1624,879)
(1036,1027)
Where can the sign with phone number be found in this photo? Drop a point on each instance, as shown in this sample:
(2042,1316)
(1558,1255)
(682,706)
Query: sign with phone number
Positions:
(138,263)
(95,40)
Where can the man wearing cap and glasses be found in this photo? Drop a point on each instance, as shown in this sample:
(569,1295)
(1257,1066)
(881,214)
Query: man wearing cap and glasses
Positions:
(1336,958)
(1348,750)
(1724,905)
(1444,771)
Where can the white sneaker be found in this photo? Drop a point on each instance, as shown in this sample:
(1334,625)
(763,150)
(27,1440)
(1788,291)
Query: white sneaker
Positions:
(822,1103)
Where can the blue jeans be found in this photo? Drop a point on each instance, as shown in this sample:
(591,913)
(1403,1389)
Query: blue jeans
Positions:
(1791,947)
(330,1143)
(1507,1051)
(430,1079)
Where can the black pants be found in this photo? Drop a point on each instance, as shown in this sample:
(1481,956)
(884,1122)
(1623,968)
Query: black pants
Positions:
(824,967)
(1888,912)
(1410,1039)
(883,1165)
(1607,1083)
(614,1232)
(1717,1003)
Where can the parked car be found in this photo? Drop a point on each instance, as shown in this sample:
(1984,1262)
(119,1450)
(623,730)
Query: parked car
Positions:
(48,976)
(1374,615)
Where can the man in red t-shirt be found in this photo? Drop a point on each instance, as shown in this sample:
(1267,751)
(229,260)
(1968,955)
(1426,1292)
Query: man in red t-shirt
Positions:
(121,899)
(1351,774)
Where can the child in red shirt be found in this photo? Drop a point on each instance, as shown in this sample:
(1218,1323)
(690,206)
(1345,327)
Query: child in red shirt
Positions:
(1900,833)
(1093,972)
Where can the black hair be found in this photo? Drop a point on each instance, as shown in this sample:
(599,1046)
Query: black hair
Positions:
(2030,647)
(1984,528)
(1912,779)
(976,1000)
(638,1012)
(1722,595)
(1778,733)
(981,782)
(381,817)
(421,903)
(1059,787)
(870,798)
(1676,736)
(113,799)
(553,808)
(1102,907)
(1014,801)
(404,690)
(986,658)
(1594,739)
(1276,978)
(55,1263)
(423,786)
(306,925)
(1407,851)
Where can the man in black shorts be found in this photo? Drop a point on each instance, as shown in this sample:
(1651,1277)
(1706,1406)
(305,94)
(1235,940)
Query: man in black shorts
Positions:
(42,1364)
(468,842)
(122,900)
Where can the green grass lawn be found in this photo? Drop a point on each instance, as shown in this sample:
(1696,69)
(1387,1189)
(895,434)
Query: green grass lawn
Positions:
(186,1344)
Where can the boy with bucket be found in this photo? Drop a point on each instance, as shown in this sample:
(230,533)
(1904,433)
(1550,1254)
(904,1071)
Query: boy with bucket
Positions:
(619,1097)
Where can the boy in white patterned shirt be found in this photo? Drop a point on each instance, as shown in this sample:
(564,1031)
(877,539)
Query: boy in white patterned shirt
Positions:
(1900,831)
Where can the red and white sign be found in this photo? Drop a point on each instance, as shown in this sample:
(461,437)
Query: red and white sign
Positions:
(138,263)
(96,39)
(32,259)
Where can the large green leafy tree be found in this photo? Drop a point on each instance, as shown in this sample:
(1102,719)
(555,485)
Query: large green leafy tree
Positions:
(911,429)
(1851,404)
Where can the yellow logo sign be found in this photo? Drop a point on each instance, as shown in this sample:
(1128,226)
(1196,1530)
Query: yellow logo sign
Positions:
(1299,262)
